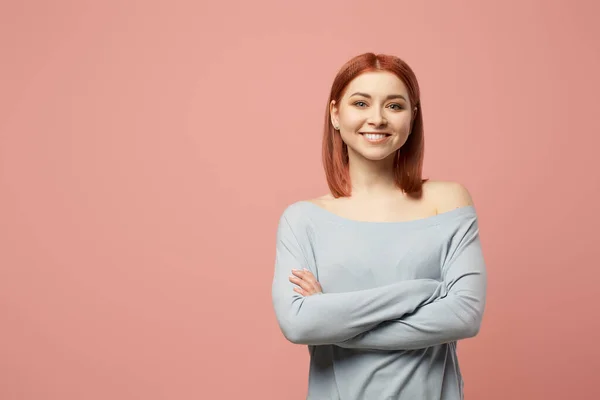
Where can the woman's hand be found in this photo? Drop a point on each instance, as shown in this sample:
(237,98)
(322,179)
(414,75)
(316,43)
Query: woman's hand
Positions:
(307,282)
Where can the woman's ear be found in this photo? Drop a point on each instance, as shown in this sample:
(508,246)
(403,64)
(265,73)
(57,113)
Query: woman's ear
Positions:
(412,120)
(334,114)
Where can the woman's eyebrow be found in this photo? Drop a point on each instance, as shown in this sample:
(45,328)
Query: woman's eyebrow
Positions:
(391,96)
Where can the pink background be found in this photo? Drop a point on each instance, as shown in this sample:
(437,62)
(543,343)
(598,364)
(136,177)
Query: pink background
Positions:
(148,148)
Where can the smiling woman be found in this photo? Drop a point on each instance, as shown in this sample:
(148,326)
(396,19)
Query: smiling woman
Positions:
(383,275)
(378,117)
(374,95)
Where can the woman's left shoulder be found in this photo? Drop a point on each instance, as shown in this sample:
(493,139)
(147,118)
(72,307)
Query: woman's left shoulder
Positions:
(447,195)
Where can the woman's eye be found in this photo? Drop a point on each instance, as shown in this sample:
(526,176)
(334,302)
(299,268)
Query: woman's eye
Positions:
(398,106)
(358,103)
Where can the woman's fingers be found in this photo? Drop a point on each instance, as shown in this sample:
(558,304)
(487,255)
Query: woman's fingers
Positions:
(301,280)
(305,277)
(307,282)
(301,291)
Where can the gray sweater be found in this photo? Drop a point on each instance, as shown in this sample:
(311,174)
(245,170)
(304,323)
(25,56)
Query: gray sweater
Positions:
(397,296)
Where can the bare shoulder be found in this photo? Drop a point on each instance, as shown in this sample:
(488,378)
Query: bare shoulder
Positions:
(322,199)
(447,195)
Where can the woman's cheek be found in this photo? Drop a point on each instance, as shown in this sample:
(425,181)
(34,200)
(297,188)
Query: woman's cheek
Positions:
(353,122)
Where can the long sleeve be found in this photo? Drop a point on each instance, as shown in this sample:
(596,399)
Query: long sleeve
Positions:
(329,318)
(456,314)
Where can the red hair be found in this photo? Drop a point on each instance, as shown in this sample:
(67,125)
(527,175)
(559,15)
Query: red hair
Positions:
(408,160)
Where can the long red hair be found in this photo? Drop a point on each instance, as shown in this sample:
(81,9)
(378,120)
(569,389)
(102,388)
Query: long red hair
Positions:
(408,160)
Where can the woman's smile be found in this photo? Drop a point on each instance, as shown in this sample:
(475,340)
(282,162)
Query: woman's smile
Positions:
(376,138)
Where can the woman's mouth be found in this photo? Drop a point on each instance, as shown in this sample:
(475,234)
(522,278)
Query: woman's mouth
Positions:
(375,137)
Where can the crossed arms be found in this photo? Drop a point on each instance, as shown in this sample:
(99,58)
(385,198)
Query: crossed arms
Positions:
(404,315)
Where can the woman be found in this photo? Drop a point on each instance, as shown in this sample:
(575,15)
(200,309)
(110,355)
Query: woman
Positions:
(381,277)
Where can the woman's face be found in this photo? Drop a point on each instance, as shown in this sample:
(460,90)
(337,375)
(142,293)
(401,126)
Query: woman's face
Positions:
(374,115)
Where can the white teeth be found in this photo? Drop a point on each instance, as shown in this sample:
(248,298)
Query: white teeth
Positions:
(374,136)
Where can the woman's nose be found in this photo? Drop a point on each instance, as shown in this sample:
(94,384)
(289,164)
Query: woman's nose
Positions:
(376,118)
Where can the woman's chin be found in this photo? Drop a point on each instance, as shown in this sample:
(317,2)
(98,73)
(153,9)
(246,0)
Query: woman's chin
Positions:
(375,154)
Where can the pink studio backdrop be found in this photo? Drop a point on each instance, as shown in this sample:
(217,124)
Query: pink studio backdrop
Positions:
(147,150)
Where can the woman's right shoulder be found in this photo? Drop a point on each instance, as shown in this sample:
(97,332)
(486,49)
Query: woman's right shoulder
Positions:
(297,209)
